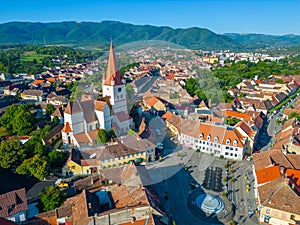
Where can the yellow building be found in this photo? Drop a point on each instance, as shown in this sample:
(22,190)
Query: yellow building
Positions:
(125,150)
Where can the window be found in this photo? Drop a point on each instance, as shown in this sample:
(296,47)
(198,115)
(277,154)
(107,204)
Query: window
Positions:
(203,142)
(226,153)
(228,141)
(236,149)
(235,155)
(208,138)
(219,146)
(215,145)
(200,142)
(216,139)
(201,135)
(231,154)
(235,142)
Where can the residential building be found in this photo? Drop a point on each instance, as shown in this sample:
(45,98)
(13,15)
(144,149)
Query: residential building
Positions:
(13,205)
(277,187)
(36,95)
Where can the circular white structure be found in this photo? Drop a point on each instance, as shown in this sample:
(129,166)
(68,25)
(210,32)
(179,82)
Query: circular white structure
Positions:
(210,203)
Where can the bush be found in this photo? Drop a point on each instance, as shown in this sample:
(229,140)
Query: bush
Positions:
(225,179)
(197,150)
(221,156)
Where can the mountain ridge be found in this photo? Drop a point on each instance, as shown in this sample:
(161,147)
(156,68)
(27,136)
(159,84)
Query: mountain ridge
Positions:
(80,33)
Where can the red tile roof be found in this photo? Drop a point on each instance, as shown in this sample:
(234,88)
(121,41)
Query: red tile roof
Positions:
(113,73)
(267,174)
(66,128)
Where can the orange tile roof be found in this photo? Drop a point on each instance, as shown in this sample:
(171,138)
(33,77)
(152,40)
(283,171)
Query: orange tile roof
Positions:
(212,131)
(246,129)
(66,128)
(237,115)
(267,174)
(50,79)
(151,101)
(113,73)
(167,115)
(99,105)
(232,136)
(37,82)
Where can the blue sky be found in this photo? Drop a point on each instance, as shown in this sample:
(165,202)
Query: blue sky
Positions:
(221,16)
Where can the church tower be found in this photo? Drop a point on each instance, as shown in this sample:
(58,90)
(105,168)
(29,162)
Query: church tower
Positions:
(112,84)
(114,88)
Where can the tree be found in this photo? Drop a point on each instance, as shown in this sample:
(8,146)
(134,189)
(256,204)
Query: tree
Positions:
(57,158)
(102,136)
(50,109)
(190,85)
(279,81)
(55,120)
(23,123)
(37,166)
(51,198)
(294,115)
(12,152)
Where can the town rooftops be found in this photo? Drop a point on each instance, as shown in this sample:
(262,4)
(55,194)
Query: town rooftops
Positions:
(13,202)
(270,158)
(279,195)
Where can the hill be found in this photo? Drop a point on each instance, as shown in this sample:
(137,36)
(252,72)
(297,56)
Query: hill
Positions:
(254,41)
(97,34)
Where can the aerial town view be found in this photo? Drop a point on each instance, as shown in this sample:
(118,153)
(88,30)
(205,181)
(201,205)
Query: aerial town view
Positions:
(150,112)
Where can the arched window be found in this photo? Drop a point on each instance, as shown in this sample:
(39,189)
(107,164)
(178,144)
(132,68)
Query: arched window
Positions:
(208,137)
(201,135)
(228,141)
(216,139)
(235,142)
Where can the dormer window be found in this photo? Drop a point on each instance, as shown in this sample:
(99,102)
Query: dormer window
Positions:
(228,141)
(201,135)
(216,139)
(208,138)
(235,142)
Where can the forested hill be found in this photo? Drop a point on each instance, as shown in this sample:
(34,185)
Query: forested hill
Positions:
(95,34)
(100,33)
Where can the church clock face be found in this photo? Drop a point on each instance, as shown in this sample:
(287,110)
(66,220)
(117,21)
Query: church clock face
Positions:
(119,89)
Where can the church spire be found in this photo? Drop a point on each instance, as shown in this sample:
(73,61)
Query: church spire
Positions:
(113,76)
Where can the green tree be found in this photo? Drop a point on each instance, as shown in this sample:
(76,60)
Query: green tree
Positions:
(37,166)
(191,85)
(294,115)
(12,152)
(55,120)
(279,81)
(102,136)
(57,158)
(23,123)
(51,198)
(49,109)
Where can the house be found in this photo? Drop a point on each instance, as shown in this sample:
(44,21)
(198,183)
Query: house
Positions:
(13,205)
(207,137)
(277,187)
(155,105)
(77,210)
(124,150)
(134,198)
(36,95)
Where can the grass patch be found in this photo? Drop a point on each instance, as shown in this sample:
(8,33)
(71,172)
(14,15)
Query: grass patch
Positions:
(30,56)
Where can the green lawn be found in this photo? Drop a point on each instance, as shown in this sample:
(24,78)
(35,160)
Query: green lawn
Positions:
(30,56)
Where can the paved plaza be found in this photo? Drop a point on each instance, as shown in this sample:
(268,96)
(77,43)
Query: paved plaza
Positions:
(178,188)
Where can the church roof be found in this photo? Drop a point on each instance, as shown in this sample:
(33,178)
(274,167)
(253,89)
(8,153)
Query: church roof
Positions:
(113,73)
(66,128)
